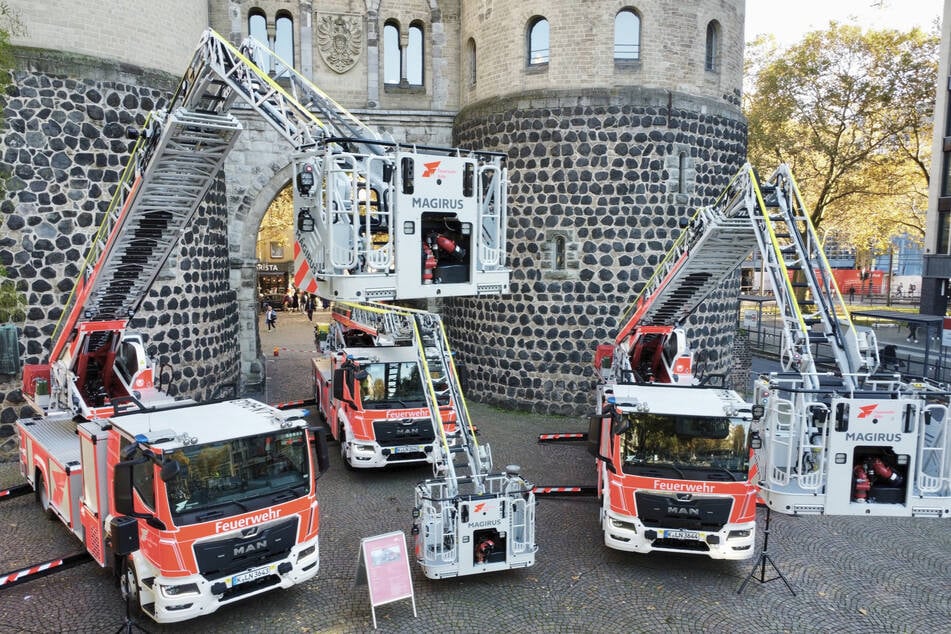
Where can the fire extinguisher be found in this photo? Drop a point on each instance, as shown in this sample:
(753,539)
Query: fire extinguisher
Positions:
(860,484)
(429,263)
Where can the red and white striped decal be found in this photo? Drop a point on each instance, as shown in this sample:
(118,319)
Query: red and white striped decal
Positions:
(303,279)
(41,570)
(563,436)
(544,490)
(19,575)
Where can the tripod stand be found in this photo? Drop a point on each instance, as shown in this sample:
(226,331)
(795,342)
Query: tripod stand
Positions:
(764,558)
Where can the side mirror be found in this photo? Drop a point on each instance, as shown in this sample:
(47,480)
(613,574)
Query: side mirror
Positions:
(339,380)
(170,470)
(122,488)
(619,425)
(323,453)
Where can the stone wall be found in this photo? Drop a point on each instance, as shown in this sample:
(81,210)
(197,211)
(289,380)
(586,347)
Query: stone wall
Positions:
(601,177)
(153,35)
(64,148)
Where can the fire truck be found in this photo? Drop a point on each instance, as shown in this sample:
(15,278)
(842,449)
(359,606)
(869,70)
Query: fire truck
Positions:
(370,389)
(194,506)
(681,461)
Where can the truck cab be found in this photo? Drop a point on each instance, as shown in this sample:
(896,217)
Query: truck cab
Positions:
(673,472)
(219,499)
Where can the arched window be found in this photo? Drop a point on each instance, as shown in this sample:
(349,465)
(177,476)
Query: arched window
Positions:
(538,41)
(392,56)
(471,60)
(257,28)
(284,37)
(627,35)
(414,55)
(712,60)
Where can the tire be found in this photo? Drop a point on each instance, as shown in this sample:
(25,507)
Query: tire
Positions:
(43,495)
(129,587)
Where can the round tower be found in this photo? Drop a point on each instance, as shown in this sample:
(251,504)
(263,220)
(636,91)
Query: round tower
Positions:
(619,120)
(84,73)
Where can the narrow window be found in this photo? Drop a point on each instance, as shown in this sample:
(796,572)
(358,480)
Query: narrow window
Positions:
(414,55)
(257,28)
(471,54)
(627,35)
(538,46)
(392,56)
(284,38)
(681,176)
(558,253)
(713,46)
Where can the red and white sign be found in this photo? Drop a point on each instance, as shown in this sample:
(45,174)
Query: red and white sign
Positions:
(385,564)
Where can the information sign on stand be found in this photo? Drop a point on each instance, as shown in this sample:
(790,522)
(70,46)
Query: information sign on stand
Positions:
(384,567)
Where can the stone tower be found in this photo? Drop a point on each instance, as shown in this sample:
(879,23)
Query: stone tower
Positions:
(83,76)
(618,120)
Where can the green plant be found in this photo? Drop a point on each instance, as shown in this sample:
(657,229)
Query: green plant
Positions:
(12,300)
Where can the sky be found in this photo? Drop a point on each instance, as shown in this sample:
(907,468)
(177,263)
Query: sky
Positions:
(789,21)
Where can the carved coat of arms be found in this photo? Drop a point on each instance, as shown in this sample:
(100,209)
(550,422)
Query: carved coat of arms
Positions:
(339,40)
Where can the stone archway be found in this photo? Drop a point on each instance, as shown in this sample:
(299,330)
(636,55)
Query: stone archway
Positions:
(243,245)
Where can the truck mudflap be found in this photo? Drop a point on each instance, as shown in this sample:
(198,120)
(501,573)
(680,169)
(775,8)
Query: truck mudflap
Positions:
(175,599)
(732,541)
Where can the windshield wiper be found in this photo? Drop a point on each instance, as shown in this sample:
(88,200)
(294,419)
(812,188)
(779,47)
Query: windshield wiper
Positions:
(724,470)
(216,510)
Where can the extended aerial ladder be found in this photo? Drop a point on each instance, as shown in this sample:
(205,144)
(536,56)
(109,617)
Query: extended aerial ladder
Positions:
(467,519)
(845,441)
(352,194)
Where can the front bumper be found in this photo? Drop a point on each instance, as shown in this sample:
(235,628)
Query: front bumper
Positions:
(176,599)
(733,541)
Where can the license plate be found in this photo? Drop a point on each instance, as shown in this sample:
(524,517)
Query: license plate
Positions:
(407,449)
(250,575)
(688,535)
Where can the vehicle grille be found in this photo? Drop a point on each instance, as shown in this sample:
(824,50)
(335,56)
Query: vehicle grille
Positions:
(669,511)
(404,432)
(221,557)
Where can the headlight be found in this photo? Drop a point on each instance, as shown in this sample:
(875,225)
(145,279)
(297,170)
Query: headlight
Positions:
(307,552)
(180,590)
(738,534)
(625,525)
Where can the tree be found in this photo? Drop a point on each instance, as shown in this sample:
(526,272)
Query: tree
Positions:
(850,112)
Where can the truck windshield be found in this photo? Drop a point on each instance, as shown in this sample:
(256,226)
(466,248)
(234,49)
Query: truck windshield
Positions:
(391,385)
(685,447)
(240,475)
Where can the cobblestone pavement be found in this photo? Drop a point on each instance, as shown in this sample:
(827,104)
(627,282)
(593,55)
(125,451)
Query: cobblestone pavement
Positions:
(850,574)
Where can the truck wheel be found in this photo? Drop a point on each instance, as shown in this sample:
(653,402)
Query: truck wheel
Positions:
(343,449)
(129,584)
(43,495)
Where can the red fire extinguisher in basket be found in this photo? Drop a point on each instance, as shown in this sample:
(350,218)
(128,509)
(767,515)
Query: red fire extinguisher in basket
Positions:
(860,484)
